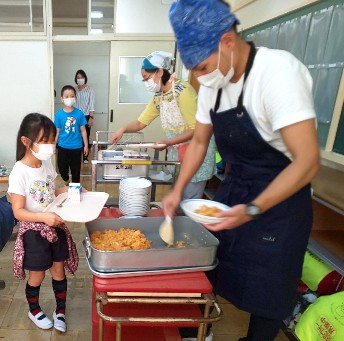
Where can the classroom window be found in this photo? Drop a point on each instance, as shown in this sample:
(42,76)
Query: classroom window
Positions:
(130,86)
(101,16)
(21,16)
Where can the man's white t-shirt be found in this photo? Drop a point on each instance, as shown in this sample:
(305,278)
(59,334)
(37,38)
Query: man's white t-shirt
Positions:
(35,184)
(277,93)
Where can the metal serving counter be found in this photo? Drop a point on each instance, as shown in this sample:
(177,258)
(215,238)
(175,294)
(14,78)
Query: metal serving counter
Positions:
(154,165)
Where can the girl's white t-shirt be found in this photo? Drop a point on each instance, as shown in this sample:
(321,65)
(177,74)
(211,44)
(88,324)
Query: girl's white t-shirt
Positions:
(35,184)
(277,93)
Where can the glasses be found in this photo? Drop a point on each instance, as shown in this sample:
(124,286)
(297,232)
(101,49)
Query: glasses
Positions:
(151,76)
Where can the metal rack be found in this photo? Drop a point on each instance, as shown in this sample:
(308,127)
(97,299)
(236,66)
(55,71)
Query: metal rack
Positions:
(102,142)
(164,300)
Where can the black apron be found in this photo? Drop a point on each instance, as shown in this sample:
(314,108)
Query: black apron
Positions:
(260,262)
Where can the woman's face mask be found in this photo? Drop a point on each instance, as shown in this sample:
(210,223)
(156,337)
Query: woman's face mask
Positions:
(45,151)
(216,79)
(151,85)
(80,81)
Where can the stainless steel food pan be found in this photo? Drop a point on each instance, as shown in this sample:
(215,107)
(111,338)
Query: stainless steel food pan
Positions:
(200,248)
(118,171)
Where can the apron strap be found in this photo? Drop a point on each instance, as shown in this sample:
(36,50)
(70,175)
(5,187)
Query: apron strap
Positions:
(249,65)
(248,68)
(218,100)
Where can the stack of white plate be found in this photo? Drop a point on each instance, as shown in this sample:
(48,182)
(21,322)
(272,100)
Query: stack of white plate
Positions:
(134,196)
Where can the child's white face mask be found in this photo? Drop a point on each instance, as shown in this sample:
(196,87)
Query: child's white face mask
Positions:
(45,151)
(69,102)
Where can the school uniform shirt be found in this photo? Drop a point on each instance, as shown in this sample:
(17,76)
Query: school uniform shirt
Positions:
(35,184)
(69,124)
(271,103)
(174,122)
(85,99)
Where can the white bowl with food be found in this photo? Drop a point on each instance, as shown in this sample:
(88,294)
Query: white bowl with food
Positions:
(203,211)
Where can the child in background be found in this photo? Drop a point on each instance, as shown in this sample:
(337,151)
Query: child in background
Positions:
(71,134)
(44,241)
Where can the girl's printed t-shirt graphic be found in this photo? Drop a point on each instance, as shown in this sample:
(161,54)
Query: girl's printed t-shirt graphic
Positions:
(70,125)
(42,191)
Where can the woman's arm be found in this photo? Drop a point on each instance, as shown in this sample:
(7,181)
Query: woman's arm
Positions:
(186,136)
(131,127)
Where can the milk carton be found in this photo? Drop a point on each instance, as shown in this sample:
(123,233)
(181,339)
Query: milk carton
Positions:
(74,192)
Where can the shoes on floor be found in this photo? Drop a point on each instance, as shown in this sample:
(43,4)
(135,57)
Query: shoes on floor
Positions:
(40,320)
(60,322)
(208,338)
(85,161)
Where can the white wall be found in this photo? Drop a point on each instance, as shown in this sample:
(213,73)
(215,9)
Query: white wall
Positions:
(93,58)
(149,16)
(25,88)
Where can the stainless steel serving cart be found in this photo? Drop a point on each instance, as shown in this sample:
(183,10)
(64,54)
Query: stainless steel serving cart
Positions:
(147,294)
(113,162)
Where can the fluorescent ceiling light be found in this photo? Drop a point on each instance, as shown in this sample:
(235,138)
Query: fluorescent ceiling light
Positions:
(96,14)
(96,31)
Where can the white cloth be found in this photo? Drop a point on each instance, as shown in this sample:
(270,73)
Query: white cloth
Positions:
(35,184)
(277,93)
(161,59)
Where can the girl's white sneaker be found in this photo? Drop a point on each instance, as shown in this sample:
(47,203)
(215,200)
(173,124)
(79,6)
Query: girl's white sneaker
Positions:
(40,320)
(60,322)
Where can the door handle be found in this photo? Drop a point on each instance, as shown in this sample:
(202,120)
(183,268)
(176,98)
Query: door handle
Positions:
(111,115)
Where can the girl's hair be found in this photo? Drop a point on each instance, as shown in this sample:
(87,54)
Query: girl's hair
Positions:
(82,73)
(165,76)
(31,127)
(67,87)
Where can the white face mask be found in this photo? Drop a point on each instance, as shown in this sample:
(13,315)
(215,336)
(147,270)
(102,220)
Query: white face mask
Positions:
(152,86)
(80,81)
(69,102)
(45,151)
(216,79)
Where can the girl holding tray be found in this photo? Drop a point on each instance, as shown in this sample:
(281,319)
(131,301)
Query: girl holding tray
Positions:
(44,241)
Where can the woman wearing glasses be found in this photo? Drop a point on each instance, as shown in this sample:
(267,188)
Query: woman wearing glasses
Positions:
(175,102)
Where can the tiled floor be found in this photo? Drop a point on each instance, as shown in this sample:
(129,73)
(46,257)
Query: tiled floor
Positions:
(15,325)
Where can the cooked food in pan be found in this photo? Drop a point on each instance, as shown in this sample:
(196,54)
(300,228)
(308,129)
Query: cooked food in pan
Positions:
(122,239)
(209,211)
(180,243)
